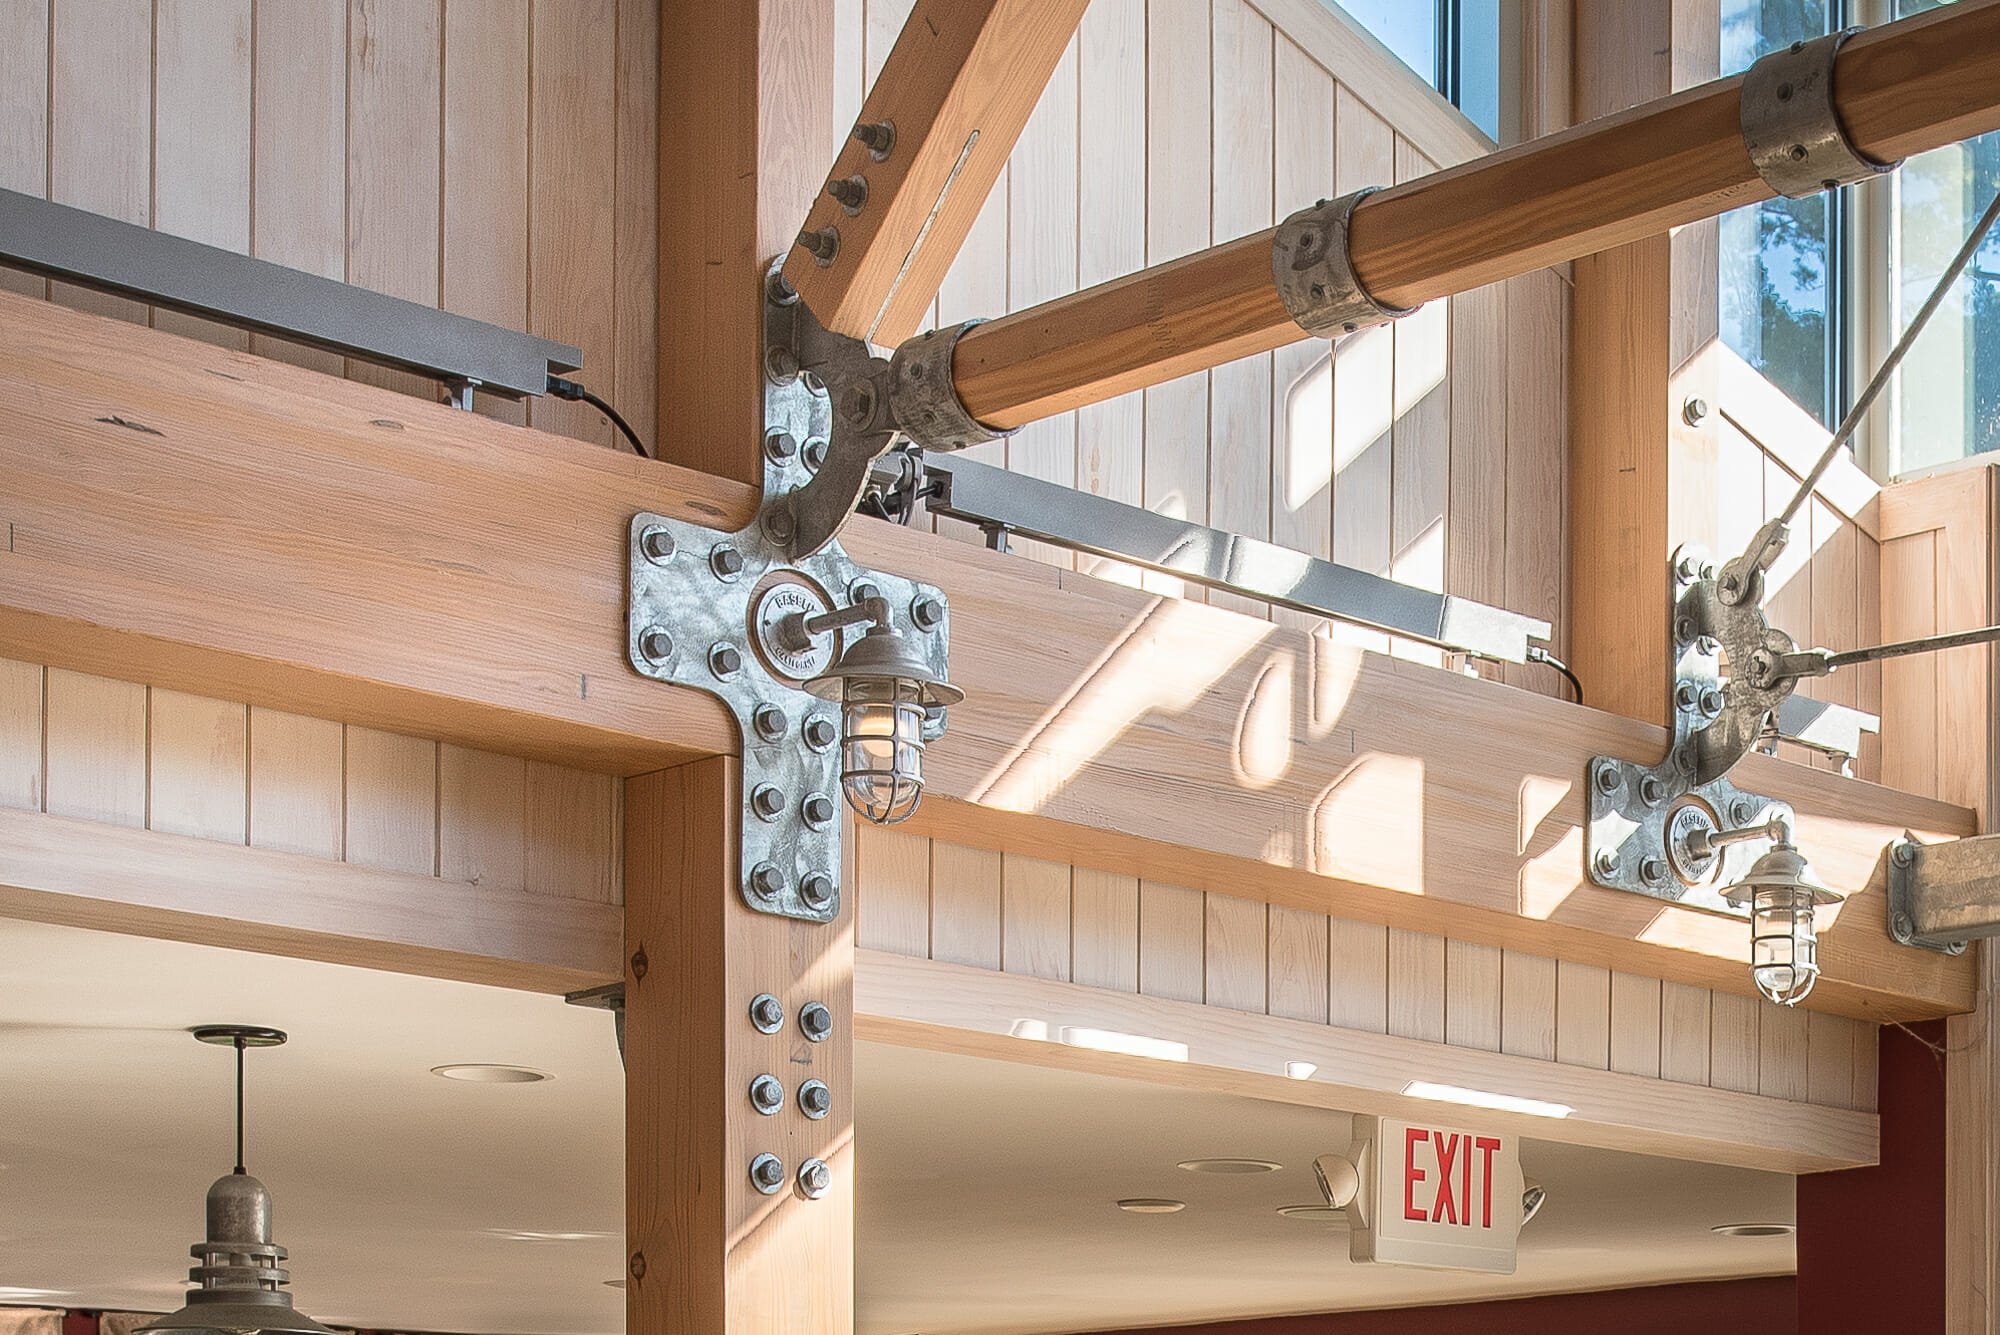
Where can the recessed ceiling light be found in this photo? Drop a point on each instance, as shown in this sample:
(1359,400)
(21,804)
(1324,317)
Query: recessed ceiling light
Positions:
(1151,1205)
(1755,1230)
(490,1073)
(1319,1214)
(1233,1166)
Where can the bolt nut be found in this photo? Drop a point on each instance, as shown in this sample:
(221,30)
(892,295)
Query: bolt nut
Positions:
(1607,779)
(815,1021)
(861,590)
(814,1179)
(658,544)
(1687,695)
(816,890)
(656,644)
(815,1099)
(725,660)
(822,243)
(1651,791)
(819,732)
(781,365)
(850,192)
(1683,628)
(814,453)
(767,1013)
(767,1174)
(769,722)
(725,561)
(1903,854)
(878,137)
(766,882)
(1653,870)
(1902,927)
(778,524)
(767,1095)
(1707,646)
(1695,411)
(780,447)
(1740,811)
(927,612)
(1711,702)
(1606,863)
(818,809)
(768,801)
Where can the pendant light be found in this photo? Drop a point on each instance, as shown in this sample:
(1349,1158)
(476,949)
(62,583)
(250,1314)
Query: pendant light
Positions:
(239,1287)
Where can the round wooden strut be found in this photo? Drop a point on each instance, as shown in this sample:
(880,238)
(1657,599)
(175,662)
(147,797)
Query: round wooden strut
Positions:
(1314,271)
(922,398)
(1791,127)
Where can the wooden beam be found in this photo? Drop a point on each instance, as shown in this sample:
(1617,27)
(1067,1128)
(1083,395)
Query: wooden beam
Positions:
(1009,1017)
(109,879)
(746,97)
(958,86)
(1902,88)
(707,1250)
(198,518)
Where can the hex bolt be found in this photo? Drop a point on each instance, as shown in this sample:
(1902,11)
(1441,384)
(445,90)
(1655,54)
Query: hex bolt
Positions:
(815,1021)
(859,404)
(927,612)
(1740,811)
(1683,628)
(1687,695)
(1708,570)
(814,1179)
(1686,569)
(1903,927)
(1711,702)
(1606,863)
(1651,791)
(1607,779)
(822,243)
(767,1174)
(818,810)
(878,137)
(861,590)
(1695,411)
(819,732)
(815,1099)
(815,452)
(1903,854)
(767,1013)
(726,562)
(770,723)
(1707,646)
(850,192)
(725,660)
(816,890)
(656,644)
(778,524)
(768,801)
(766,882)
(1653,870)
(781,365)
(780,447)
(658,545)
(778,289)
(767,1095)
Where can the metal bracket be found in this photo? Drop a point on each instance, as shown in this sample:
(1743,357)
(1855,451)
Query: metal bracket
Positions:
(1790,125)
(1943,895)
(922,398)
(703,606)
(1314,271)
(1639,814)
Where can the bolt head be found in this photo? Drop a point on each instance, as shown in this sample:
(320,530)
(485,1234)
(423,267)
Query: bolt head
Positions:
(1607,779)
(1687,695)
(814,1179)
(1903,927)
(816,891)
(657,544)
(1903,855)
(1708,646)
(767,1173)
(818,810)
(1740,811)
(927,612)
(781,365)
(767,883)
(815,1021)
(815,452)
(780,446)
(725,660)
(1606,863)
(725,561)
(656,644)
(1695,411)
(819,732)
(1651,791)
(769,722)
(1683,628)
(767,1095)
(767,801)
(815,1099)
(767,1013)
(1711,702)
(1653,870)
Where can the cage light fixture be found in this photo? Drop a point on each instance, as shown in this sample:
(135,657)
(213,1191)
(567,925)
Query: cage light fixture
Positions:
(1782,895)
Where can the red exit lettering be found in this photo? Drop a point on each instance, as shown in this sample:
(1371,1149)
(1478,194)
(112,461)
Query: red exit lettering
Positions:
(1452,1203)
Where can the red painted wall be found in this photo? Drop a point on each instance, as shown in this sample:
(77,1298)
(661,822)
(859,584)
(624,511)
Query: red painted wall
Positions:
(1737,1307)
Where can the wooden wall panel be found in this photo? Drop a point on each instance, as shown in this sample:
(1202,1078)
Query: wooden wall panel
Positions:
(122,753)
(1110,931)
(409,146)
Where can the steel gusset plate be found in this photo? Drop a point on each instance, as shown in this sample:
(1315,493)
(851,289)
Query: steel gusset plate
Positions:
(1638,813)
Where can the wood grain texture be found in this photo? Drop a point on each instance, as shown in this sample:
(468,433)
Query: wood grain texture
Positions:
(1034,917)
(198,770)
(297,784)
(1171,954)
(95,748)
(391,806)
(20,735)
(1472,1003)
(1527,1005)
(1236,948)
(965,906)
(482,818)
(892,891)
(202,135)
(100,122)
(1104,930)
(24,115)
(1583,1015)
(299,152)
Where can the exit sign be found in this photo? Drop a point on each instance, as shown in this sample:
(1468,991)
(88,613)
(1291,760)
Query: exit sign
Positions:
(1437,1196)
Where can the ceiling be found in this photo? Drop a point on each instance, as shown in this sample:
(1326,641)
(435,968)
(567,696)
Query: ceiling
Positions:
(986,1190)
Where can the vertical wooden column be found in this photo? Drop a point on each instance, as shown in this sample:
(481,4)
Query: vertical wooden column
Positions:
(746,114)
(1641,313)
(707,1253)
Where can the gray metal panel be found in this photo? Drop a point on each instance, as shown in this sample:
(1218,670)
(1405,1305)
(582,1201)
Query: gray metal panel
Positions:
(1941,895)
(132,261)
(980,494)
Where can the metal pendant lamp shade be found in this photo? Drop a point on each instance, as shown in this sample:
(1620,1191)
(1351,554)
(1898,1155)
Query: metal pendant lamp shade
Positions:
(239,1284)
(884,686)
(1781,893)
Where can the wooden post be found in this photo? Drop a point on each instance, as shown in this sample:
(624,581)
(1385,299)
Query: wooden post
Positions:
(707,1253)
(746,116)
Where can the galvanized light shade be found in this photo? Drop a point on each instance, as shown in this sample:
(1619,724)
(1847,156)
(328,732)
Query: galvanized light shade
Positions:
(1782,893)
(884,687)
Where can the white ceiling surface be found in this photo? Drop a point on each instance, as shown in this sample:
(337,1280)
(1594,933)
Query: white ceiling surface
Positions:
(986,1189)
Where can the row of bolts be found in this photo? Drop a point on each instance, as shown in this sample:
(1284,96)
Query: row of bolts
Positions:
(850,192)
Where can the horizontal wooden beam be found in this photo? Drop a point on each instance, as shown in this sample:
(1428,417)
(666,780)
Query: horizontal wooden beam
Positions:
(1007,1017)
(204,520)
(1902,88)
(957,88)
(84,874)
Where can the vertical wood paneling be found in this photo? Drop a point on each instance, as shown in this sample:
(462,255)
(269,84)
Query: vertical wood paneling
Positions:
(1684,1033)
(482,818)
(297,784)
(1909,685)
(572,833)
(201,136)
(1034,917)
(1235,950)
(101,121)
(635,240)
(1537,452)
(1635,1025)
(1734,1022)
(1583,1015)
(1527,1005)
(486,186)
(1298,982)
(1781,1052)
(391,801)
(20,735)
(1104,930)
(1416,985)
(299,163)
(1358,975)
(965,906)
(892,890)
(1867,1059)
(1476,537)
(1830,1059)
(1420,439)
(24,115)
(1364,402)
(95,742)
(1472,995)
(198,767)
(1170,946)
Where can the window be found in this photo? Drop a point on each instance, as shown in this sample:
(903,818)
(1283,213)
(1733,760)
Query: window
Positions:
(1453,44)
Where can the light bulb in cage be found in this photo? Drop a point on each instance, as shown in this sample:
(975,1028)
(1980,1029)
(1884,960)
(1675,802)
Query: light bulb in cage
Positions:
(884,687)
(1781,893)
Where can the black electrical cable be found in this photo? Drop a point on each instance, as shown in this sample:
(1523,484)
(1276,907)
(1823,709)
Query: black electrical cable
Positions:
(1540,655)
(576,393)
(239,1103)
